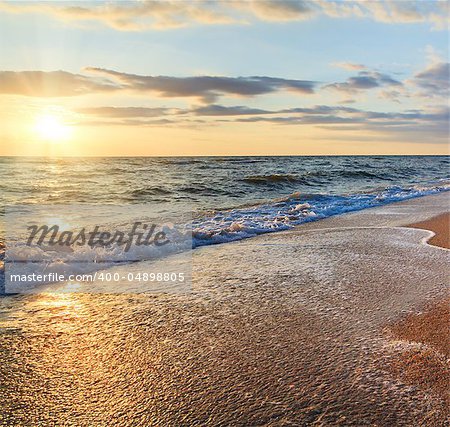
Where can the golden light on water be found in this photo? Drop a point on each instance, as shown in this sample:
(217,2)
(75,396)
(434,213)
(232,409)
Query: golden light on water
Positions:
(50,128)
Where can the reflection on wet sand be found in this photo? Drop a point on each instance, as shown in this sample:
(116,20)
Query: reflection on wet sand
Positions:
(281,329)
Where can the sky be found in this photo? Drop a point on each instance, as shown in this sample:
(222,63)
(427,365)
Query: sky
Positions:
(263,77)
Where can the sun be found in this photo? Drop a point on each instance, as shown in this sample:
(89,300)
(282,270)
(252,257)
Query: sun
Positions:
(51,128)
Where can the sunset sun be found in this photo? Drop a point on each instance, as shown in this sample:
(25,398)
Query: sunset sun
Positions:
(51,128)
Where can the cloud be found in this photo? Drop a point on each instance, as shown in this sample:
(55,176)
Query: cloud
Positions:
(302,120)
(220,110)
(337,118)
(391,11)
(213,110)
(51,83)
(129,15)
(405,125)
(349,66)
(434,80)
(365,80)
(165,14)
(414,125)
(276,10)
(394,95)
(419,125)
(208,88)
(321,109)
(124,112)
(408,12)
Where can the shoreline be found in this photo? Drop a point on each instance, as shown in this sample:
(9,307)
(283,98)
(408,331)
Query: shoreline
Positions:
(424,361)
(440,226)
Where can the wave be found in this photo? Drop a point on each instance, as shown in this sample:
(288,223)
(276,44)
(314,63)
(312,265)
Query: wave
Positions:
(152,191)
(269,179)
(313,177)
(295,209)
(361,174)
(206,190)
(28,260)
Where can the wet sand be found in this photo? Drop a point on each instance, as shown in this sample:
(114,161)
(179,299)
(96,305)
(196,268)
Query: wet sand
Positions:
(426,363)
(440,225)
(290,328)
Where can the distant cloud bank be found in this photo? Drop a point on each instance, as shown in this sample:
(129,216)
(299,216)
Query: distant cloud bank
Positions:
(206,88)
(207,100)
(433,81)
(165,14)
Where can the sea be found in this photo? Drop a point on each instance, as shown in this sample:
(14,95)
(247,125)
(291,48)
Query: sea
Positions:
(231,198)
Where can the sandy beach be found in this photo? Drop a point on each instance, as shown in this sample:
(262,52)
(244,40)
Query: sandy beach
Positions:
(427,365)
(336,322)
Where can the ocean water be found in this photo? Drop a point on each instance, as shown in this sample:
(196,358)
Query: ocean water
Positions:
(230,197)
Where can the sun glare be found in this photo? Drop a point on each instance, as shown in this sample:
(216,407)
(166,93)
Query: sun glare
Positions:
(52,129)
